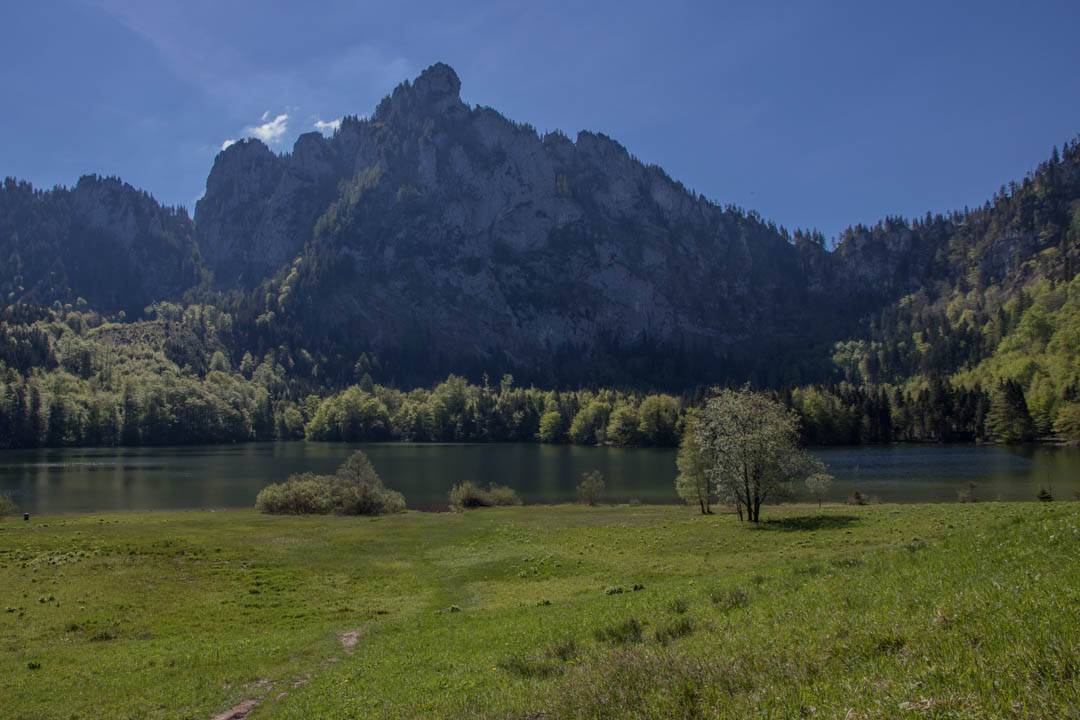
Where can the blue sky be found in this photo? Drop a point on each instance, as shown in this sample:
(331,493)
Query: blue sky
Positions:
(815,114)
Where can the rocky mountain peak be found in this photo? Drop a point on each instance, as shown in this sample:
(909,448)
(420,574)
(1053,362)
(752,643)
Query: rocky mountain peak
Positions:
(438,80)
(435,91)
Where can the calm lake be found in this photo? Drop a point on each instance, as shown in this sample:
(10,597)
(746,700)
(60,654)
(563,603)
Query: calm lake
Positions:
(76,480)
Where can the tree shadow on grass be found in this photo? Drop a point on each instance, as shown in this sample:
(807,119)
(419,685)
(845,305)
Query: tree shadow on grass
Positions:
(809,522)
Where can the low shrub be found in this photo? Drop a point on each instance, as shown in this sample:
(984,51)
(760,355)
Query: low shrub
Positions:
(563,651)
(304,494)
(678,606)
(528,667)
(470,495)
(857,498)
(887,644)
(503,495)
(730,599)
(846,562)
(916,544)
(811,569)
(355,489)
(650,681)
(543,665)
(673,631)
(968,495)
(628,631)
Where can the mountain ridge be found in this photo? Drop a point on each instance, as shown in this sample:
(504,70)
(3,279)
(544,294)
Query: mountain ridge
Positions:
(442,237)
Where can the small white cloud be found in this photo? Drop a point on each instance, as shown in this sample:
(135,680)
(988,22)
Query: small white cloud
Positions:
(225,145)
(327,126)
(270,131)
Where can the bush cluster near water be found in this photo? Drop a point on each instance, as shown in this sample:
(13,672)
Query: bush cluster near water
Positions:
(470,495)
(355,489)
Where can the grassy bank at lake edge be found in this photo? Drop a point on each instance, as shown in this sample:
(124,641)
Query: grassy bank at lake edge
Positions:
(878,611)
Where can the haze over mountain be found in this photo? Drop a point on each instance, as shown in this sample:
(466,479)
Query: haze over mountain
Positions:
(439,237)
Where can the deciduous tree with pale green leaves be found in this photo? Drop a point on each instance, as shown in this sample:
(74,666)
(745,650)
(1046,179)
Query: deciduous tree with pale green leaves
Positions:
(591,487)
(590,424)
(551,427)
(818,485)
(750,445)
(1068,422)
(659,420)
(692,483)
(622,428)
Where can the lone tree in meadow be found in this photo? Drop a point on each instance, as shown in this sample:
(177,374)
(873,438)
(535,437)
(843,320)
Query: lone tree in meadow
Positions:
(750,444)
(819,485)
(591,487)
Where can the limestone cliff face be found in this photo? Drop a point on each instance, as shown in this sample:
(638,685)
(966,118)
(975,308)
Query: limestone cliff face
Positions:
(259,208)
(436,223)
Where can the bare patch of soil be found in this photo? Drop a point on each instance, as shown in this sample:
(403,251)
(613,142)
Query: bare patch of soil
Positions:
(239,712)
(350,639)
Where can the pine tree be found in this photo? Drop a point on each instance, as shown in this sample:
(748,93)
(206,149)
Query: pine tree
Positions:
(1008,420)
(33,421)
(20,426)
(55,435)
(7,422)
(129,433)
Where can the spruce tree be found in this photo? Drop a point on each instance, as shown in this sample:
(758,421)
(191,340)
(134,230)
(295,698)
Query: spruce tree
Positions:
(1008,420)
(129,433)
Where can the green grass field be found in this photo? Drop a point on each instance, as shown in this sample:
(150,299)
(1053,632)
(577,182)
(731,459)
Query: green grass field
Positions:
(932,611)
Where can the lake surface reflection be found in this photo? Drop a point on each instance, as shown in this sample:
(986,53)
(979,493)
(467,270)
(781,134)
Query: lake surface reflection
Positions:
(78,480)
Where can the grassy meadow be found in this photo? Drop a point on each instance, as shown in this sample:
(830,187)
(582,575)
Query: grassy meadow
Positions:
(918,611)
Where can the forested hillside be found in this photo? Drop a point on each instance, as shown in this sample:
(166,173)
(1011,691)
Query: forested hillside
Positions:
(987,345)
(436,239)
(101,243)
(74,378)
